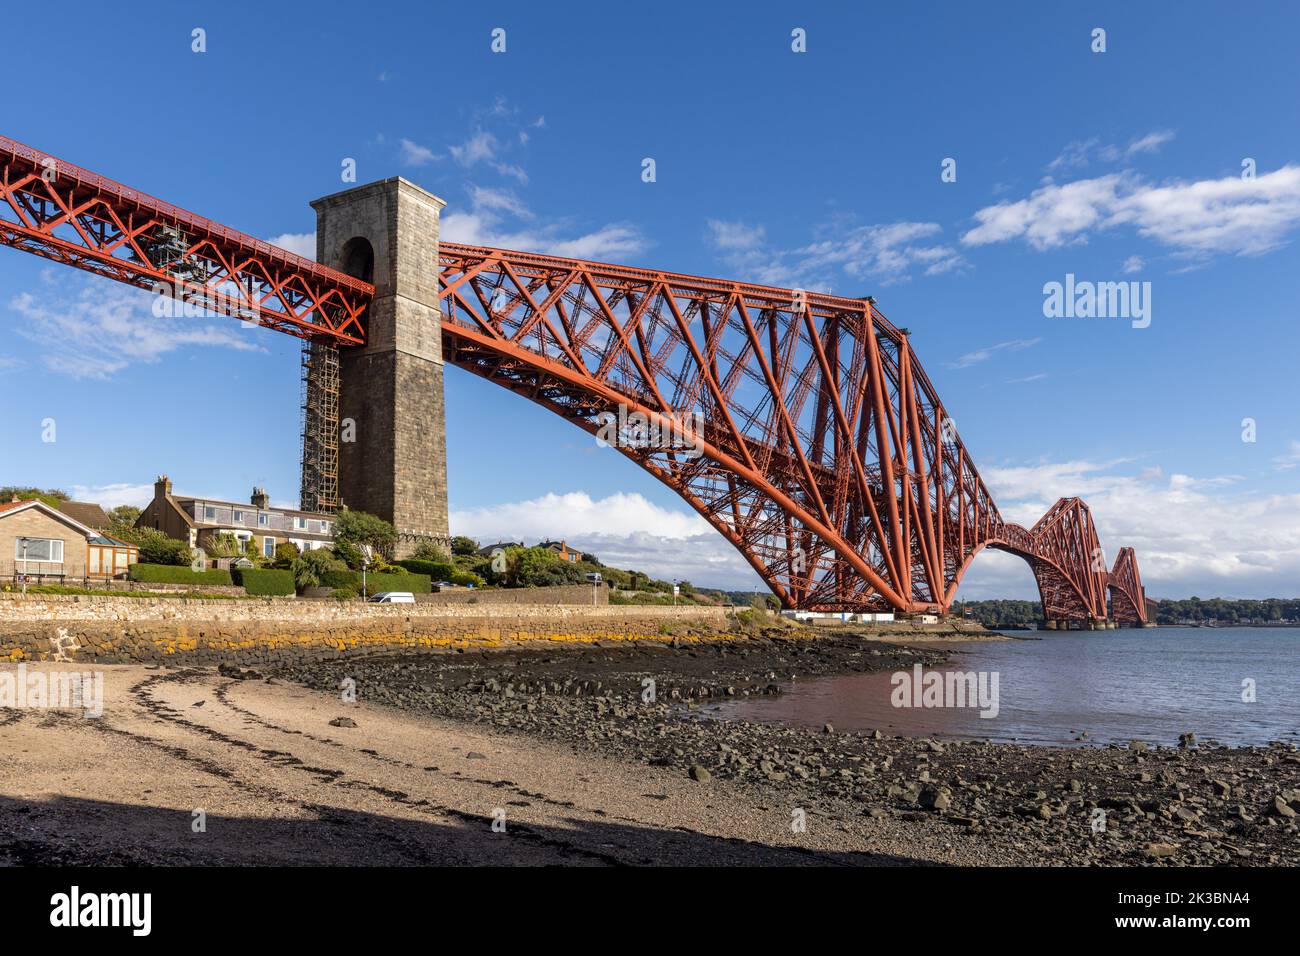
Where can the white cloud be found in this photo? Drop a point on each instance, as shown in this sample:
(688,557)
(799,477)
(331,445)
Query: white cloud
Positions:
(1149,143)
(1193,535)
(302,243)
(622,530)
(1290,459)
(1197,219)
(498,200)
(413,154)
(1074,155)
(984,354)
(884,253)
(112,495)
(735,235)
(103,327)
(488,222)
(479,147)
(1133,264)
(1079,153)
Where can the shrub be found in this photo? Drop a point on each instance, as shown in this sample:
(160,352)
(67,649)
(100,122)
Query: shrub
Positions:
(436,570)
(428,551)
(465,579)
(170,574)
(344,578)
(285,555)
(356,528)
(349,554)
(223,544)
(264,581)
(156,548)
(345,594)
(310,569)
(463,546)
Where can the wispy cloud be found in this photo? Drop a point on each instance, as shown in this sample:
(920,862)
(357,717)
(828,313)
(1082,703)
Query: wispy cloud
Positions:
(94,328)
(1080,153)
(1290,459)
(1228,216)
(883,253)
(413,154)
(984,354)
(500,218)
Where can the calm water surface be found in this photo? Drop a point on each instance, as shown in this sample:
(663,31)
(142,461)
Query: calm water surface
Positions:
(1151,684)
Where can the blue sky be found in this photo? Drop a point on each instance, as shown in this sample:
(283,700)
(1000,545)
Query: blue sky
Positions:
(819,169)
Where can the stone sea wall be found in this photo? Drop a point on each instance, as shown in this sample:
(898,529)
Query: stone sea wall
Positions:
(120,630)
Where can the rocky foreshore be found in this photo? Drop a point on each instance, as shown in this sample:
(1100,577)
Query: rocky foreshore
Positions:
(1195,804)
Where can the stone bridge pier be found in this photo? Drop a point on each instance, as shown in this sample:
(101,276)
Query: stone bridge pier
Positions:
(392,450)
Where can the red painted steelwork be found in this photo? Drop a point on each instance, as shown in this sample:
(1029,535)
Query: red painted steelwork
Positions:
(54,209)
(1128,598)
(824,453)
(800,425)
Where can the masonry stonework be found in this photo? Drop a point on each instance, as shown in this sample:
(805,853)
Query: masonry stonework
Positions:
(125,630)
(392,389)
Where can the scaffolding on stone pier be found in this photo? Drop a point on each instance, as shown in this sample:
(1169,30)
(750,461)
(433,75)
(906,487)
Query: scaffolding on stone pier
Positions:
(320,428)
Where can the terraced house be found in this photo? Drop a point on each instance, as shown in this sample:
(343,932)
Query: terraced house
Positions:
(196,521)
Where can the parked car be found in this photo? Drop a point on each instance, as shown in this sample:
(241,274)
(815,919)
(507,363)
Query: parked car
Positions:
(393,597)
(594,577)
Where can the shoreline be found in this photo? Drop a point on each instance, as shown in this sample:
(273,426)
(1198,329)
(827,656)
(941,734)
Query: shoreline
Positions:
(564,741)
(1194,805)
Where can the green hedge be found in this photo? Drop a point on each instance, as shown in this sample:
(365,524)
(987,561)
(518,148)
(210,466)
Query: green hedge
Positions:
(265,582)
(375,583)
(436,570)
(173,574)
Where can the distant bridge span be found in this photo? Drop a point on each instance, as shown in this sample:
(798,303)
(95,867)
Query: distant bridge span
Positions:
(800,425)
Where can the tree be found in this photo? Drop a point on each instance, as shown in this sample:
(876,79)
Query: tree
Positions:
(357,528)
(155,547)
(121,519)
(285,554)
(429,551)
(51,496)
(310,568)
(463,546)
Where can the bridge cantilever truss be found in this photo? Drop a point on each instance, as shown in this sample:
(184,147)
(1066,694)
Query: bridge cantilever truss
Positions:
(799,424)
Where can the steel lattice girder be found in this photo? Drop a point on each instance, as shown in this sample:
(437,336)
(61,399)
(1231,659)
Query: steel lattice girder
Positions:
(54,209)
(827,458)
(824,453)
(1128,597)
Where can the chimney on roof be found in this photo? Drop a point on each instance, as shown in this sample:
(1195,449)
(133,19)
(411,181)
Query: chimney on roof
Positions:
(260,499)
(162,487)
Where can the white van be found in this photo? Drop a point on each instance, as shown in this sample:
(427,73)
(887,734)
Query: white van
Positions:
(393,597)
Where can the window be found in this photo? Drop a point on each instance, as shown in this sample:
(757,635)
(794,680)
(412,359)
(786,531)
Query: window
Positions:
(262,520)
(209,513)
(237,517)
(39,549)
(324,527)
(268,546)
(299,524)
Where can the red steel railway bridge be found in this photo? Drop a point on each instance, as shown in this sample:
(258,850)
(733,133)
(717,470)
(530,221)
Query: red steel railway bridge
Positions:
(800,425)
